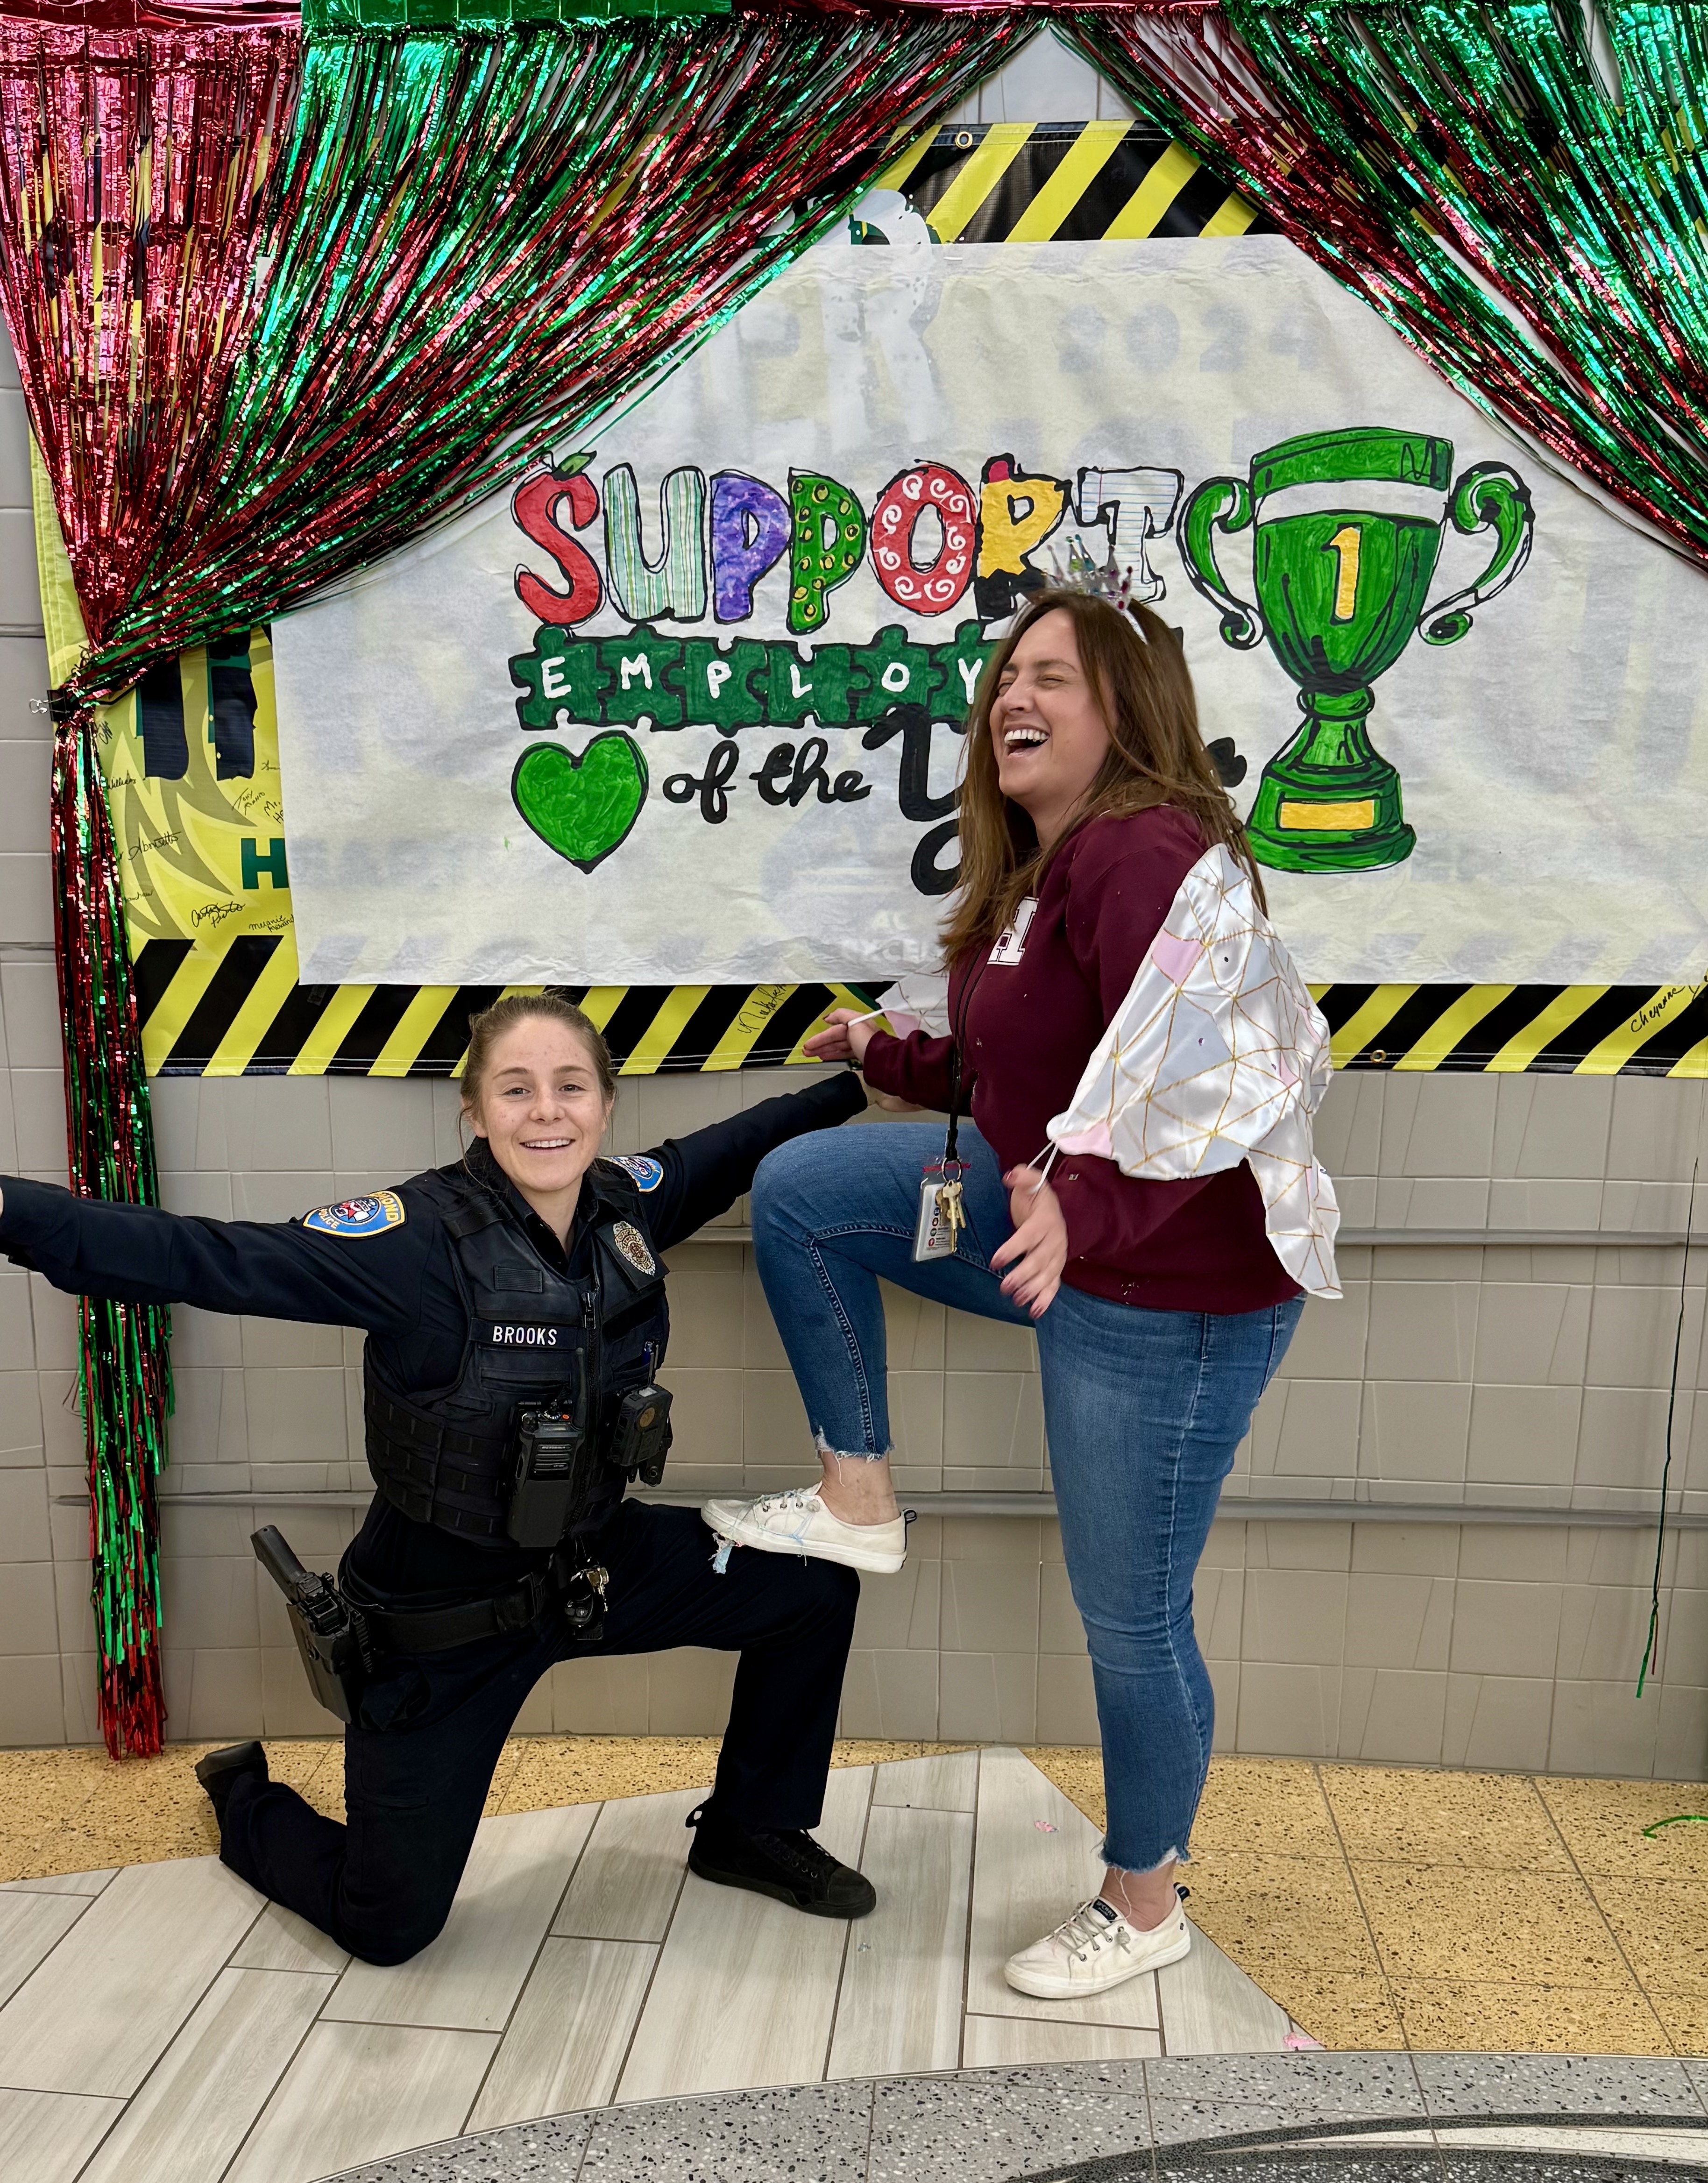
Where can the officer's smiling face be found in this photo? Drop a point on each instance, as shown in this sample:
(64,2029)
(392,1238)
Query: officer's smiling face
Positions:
(541,1112)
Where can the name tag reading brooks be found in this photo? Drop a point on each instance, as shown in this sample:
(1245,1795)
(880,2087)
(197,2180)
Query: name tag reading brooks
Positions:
(524,1334)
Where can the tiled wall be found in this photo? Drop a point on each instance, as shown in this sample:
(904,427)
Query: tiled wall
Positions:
(1529,1377)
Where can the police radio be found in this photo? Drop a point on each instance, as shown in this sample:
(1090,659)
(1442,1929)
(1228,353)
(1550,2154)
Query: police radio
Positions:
(329,1637)
(547,1476)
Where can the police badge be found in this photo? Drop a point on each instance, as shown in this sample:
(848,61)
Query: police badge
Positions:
(632,1244)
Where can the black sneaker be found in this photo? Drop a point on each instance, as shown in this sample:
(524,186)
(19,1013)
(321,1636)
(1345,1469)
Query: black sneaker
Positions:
(218,1770)
(791,1866)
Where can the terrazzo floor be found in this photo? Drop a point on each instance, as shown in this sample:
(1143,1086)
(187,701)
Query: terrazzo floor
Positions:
(1280,2118)
(1380,1907)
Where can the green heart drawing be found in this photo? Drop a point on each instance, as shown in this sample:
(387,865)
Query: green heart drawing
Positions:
(582,807)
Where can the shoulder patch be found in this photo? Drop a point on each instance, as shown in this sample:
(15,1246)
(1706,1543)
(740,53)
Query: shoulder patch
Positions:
(357,1216)
(642,1170)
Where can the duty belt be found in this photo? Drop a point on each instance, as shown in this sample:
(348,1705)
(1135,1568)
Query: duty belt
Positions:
(578,1592)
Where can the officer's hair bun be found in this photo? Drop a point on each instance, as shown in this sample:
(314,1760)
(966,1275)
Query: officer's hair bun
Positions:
(487,1028)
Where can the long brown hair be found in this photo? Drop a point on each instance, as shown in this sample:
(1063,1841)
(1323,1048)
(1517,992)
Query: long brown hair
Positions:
(1138,676)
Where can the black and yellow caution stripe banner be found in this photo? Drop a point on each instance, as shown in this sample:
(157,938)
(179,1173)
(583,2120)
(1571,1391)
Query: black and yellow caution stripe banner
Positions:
(191,759)
(242,1013)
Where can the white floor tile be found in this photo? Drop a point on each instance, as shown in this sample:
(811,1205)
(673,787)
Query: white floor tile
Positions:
(1034,1859)
(993,2041)
(357,2091)
(569,2035)
(947,1783)
(900,2004)
(469,1977)
(30,1927)
(627,1884)
(201,2097)
(98,2013)
(745,1991)
(47,2136)
(281,1940)
(61,1883)
(1211,2007)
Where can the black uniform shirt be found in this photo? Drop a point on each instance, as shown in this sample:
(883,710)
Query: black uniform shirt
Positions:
(398,1284)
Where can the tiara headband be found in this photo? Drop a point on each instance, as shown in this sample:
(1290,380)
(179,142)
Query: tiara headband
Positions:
(1097,580)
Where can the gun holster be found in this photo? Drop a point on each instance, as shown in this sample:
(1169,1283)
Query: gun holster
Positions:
(330,1634)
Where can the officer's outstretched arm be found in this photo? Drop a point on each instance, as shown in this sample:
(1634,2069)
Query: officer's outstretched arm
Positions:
(138,1254)
(705,1174)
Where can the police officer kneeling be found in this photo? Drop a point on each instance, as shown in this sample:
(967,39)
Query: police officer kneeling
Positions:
(514,1308)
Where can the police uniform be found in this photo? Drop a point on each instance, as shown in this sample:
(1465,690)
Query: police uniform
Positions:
(473,1311)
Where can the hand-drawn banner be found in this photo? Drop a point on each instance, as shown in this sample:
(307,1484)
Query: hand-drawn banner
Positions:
(687,704)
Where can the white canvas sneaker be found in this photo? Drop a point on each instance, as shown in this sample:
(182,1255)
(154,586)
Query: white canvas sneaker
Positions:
(1093,1950)
(798,1523)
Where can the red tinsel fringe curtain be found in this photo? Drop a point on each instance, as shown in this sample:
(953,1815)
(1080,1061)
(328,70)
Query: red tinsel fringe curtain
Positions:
(132,166)
(276,310)
(481,244)
(1535,230)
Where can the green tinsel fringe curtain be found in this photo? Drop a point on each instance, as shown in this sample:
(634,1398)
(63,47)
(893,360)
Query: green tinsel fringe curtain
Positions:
(1520,192)
(280,303)
(279,308)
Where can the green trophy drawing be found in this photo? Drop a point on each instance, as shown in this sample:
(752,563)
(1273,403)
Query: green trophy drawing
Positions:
(1339,592)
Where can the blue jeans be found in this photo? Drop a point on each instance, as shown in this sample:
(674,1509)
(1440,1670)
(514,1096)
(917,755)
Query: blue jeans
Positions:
(1143,1411)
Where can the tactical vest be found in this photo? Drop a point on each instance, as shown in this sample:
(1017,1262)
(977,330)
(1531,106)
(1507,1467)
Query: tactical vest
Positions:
(445,1457)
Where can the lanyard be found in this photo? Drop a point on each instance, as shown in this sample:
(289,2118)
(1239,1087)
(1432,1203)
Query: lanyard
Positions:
(951,1140)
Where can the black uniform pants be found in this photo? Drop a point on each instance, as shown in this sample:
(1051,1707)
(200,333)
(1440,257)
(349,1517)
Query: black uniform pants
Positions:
(418,1765)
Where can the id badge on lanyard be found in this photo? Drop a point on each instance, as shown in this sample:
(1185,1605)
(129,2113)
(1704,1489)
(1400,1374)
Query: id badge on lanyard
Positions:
(942,1211)
(942,1215)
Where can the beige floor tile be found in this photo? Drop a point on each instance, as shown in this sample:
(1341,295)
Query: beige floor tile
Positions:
(105,2005)
(30,1927)
(948,1784)
(357,2091)
(882,1751)
(1685,2017)
(63,1883)
(281,1940)
(992,2042)
(632,1871)
(1416,1816)
(498,1799)
(1076,1770)
(468,1979)
(1035,1857)
(1211,2007)
(1282,1912)
(900,2008)
(47,2136)
(1266,1808)
(1443,2015)
(314,1767)
(1345,2009)
(146,1809)
(1430,1922)
(588,1770)
(207,2089)
(571,2032)
(1603,1824)
(1662,1925)
(745,1990)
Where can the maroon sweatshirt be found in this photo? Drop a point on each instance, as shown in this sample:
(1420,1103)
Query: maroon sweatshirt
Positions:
(1028,1028)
